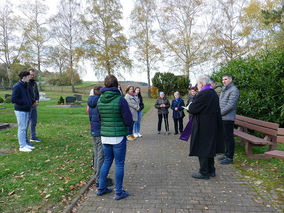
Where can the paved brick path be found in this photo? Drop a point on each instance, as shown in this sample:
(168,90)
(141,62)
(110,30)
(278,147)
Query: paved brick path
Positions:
(158,178)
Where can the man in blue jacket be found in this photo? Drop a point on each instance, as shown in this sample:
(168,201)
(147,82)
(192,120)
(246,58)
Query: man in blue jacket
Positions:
(22,105)
(33,90)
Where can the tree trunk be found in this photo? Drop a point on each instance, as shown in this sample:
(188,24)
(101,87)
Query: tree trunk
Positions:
(38,68)
(9,76)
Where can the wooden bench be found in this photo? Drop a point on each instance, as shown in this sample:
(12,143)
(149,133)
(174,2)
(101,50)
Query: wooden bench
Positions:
(280,139)
(267,128)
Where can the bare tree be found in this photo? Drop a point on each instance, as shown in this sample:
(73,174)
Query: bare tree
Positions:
(10,45)
(105,43)
(227,34)
(36,33)
(143,36)
(67,30)
(183,33)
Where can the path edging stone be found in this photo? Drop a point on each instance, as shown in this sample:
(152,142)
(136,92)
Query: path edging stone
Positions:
(74,202)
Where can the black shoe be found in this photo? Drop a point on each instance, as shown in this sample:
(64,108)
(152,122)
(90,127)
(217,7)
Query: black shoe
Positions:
(200,176)
(226,161)
(109,182)
(212,174)
(221,157)
(176,133)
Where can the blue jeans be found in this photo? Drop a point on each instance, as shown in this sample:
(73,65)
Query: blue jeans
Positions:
(23,120)
(33,121)
(137,124)
(117,152)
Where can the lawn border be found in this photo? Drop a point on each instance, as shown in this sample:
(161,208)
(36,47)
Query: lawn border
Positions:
(74,202)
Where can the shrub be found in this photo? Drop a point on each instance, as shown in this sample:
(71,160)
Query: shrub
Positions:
(169,83)
(60,100)
(260,79)
(8,100)
(1,100)
(154,91)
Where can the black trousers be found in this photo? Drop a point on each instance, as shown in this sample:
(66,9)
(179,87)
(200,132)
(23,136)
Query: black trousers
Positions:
(161,116)
(229,140)
(178,124)
(206,166)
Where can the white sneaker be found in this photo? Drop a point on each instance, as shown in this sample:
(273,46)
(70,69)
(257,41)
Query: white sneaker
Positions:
(139,135)
(30,147)
(135,135)
(25,149)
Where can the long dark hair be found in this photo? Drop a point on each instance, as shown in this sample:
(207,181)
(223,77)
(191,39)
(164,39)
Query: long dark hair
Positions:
(139,94)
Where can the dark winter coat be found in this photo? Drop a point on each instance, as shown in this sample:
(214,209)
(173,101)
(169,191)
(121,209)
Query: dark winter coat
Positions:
(141,103)
(162,110)
(207,131)
(94,116)
(21,97)
(33,90)
(179,104)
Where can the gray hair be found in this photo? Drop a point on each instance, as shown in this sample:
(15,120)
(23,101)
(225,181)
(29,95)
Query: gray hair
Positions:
(203,79)
(176,93)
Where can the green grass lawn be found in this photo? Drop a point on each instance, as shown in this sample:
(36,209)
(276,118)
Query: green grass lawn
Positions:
(49,177)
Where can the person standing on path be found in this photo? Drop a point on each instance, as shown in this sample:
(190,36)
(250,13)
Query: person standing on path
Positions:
(95,126)
(137,124)
(228,103)
(133,103)
(22,105)
(163,104)
(34,94)
(115,117)
(207,133)
(192,93)
(178,114)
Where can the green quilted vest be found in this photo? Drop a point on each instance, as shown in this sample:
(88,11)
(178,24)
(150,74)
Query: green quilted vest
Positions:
(112,124)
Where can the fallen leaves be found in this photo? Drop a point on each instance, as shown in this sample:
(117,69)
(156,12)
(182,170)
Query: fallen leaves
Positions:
(12,192)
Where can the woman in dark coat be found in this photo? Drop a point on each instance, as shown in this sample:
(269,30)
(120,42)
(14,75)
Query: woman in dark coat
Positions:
(163,104)
(178,114)
(207,132)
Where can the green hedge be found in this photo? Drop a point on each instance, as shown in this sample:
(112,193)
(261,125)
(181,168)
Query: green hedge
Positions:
(260,79)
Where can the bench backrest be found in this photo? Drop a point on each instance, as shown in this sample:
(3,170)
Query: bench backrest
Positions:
(265,127)
(280,135)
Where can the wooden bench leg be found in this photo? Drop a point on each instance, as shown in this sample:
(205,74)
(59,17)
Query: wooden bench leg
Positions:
(249,149)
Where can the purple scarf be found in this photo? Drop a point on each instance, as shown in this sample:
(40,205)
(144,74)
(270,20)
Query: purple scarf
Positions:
(187,130)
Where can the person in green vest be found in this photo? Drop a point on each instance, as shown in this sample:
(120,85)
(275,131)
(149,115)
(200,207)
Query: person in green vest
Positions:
(115,118)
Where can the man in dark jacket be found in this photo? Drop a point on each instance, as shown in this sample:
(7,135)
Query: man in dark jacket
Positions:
(163,104)
(33,90)
(207,135)
(95,125)
(22,105)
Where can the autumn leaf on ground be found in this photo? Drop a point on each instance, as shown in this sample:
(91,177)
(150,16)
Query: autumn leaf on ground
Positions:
(10,193)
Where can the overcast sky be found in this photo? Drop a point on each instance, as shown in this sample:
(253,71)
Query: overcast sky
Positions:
(89,75)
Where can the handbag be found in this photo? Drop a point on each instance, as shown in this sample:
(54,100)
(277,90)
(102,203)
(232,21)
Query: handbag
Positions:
(181,114)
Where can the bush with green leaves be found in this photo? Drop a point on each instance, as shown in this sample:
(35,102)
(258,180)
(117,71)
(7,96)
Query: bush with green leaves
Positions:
(169,83)
(8,100)
(61,100)
(1,100)
(260,79)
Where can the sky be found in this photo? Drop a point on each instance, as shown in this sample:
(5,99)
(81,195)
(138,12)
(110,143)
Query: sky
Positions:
(88,73)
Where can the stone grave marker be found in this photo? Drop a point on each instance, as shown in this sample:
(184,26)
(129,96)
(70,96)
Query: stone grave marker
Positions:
(78,97)
(70,100)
